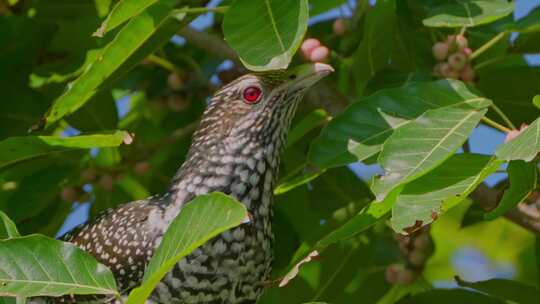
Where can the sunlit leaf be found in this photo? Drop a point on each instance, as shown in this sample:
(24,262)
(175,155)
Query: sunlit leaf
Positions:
(268,41)
(199,221)
(39,266)
(17,149)
(416,148)
(362,128)
(525,146)
(8,228)
(468,13)
(122,12)
(425,199)
(140,37)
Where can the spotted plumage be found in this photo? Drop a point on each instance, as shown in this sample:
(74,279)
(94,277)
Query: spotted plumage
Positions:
(236,151)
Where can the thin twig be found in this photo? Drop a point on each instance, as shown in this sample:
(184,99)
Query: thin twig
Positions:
(503,116)
(488,45)
(495,125)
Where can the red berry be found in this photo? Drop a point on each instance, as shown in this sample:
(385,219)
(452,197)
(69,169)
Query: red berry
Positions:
(319,54)
(340,27)
(417,258)
(69,194)
(467,74)
(461,42)
(440,50)
(308,46)
(457,61)
(175,81)
(142,168)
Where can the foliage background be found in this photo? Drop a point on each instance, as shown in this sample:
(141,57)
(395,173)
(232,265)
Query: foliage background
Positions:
(45,45)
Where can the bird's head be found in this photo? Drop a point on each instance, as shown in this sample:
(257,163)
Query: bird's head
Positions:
(257,106)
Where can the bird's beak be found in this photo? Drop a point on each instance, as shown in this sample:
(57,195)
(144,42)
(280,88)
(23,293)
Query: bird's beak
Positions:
(306,75)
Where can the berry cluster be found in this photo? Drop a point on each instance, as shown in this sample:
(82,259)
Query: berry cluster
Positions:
(416,250)
(453,56)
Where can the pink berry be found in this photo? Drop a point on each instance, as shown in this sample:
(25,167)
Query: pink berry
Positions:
(69,194)
(340,27)
(448,72)
(319,54)
(417,258)
(308,46)
(406,276)
(437,69)
(106,182)
(457,61)
(440,50)
(392,273)
(175,81)
(142,168)
(467,52)
(461,42)
(451,39)
(467,74)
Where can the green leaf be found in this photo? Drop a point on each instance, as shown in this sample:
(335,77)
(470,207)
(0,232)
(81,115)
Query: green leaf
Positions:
(525,146)
(8,228)
(375,50)
(122,12)
(321,6)
(418,147)
(36,265)
(200,220)
(140,37)
(98,114)
(359,131)
(537,258)
(468,13)
(17,149)
(423,200)
(296,181)
(536,101)
(449,296)
(505,290)
(268,41)
(522,176)
(366,218)
(527,24)
(511,83)
(308,123)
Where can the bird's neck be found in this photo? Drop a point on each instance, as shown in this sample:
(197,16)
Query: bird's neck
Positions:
(243,167)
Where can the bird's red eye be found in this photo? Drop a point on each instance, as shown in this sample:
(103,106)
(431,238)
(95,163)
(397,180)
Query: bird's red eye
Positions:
(252,95)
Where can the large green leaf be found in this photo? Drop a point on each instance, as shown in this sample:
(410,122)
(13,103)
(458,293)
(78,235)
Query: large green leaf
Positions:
(200,220)
(8,228)
(362,128)
(321,6)
(468,13)
(506,290)
(376,47)
(140,37)
(525,146)
(423,200)
(418,147)
(17,149)
(266,33)
(36,265)
(522,176)
(122,12)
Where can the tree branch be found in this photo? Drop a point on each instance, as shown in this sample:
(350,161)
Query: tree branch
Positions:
(209,43)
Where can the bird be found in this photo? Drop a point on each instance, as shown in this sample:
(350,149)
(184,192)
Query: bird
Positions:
(235,150)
